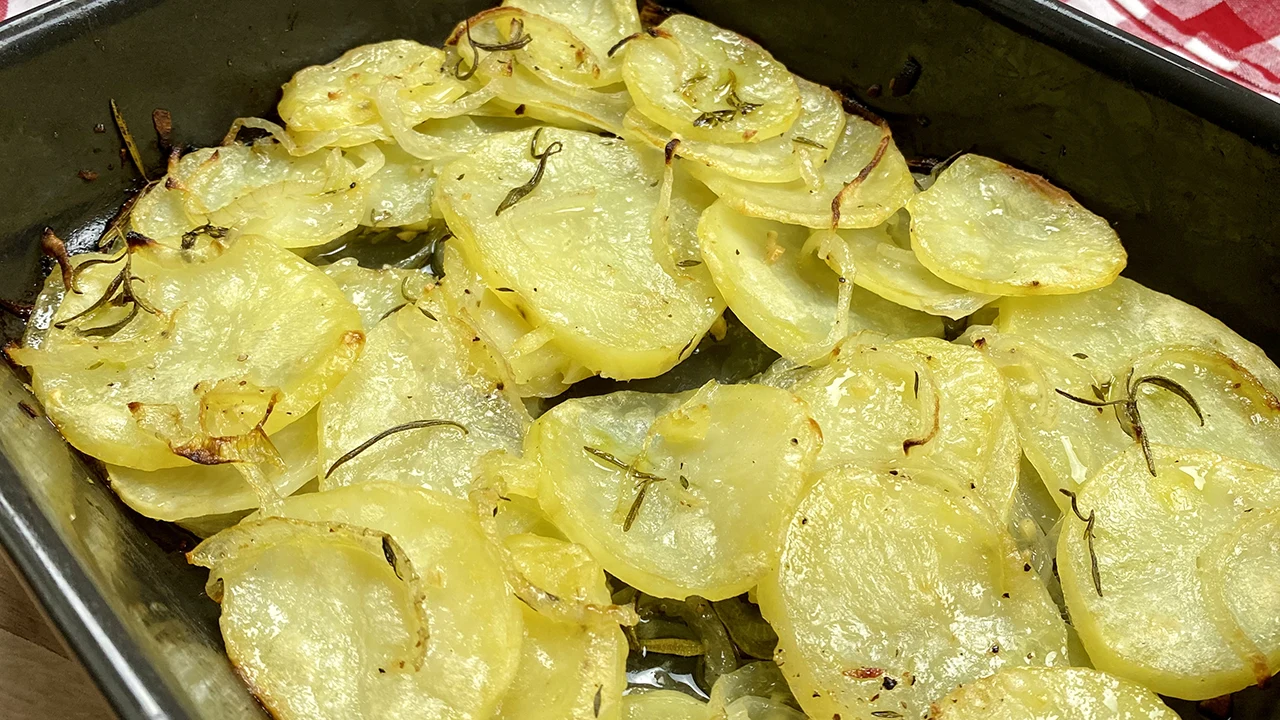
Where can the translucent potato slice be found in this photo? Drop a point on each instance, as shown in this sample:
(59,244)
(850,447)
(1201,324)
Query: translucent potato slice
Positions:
(577,252)
(920,404)
(475,623)
(192,382)
(534,364)
(567,671)
(800,150)
(896,274)
(524,93)
(706,83)
(662,705)
(991,228)
(1180,610)
(400,193)
(417,368)
(743,450)
(196,491)
(317,618)
(1051,694)
(1115,324)
(862,184)
(784,292)
(756,691)
(891,592)
(376,293)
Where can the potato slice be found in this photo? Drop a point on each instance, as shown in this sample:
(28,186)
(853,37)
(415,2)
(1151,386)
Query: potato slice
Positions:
(415,368)
(862,184)
(1115,324)
(567,671)
(706,83)
(577,252)
(254,336)
(891,592)
(317,618)
(1180,609)
(400,193)
(1051,694)
(376,293)
(756,691)
(600,24)
(896,274)
(662,705)
(475,624)
(544,42)
(783,291)
(196,491)
(530,357)
(797,153)
(524,93)
(742,449)
(991,228)
(920,404)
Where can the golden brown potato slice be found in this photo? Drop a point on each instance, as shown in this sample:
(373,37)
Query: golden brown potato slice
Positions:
(1051,694)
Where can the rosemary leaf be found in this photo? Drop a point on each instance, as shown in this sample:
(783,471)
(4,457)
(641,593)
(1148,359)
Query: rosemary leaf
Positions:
(519,193)
(414,425)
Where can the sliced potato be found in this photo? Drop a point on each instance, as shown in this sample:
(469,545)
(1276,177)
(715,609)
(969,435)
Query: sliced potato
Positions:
(862,184)
(418,368)
(253,337)
(319,619)
(1180,609)
(1051,694)
(662,705)
(546,44)
(196,491)
(600,24)
(790,156)
(577,253)
(756,691)
(991,228)
(706,83)
(783,291)
(399,194)
(567,671)
(475,623)
(530,357)
(891,592)
(1115,324)
(376,293)
(920,404)
(895,273)
(742,449)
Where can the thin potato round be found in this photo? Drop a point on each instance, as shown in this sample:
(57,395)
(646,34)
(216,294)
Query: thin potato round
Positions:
(890,592)
(706,83)
(577,252)
(862,184)
(399,194)
(800,150)
(1051,694)
(520,91)
(222,355)
(1179,610)
(786,294)
(742,450)
(418,368)
(376,293)
(662,705)
(991,228)
(196,491)
(895,273)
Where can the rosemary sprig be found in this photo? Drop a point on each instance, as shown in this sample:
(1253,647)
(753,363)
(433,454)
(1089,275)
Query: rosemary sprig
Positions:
(414,425)
(120,292)
(806,141)
(1088,537)
(519,40)
(519,193)
(713,118)
(189,238)
(1126,408)
(643,481)
(129,143)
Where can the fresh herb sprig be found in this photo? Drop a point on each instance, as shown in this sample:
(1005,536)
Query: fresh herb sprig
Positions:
(643,481)
(414,425)
(519,193)
(120,291)
(1088,538)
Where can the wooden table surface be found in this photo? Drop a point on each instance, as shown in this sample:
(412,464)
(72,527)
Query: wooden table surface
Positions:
(39,678)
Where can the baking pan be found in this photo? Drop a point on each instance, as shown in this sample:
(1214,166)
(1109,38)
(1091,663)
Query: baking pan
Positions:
(1183,163)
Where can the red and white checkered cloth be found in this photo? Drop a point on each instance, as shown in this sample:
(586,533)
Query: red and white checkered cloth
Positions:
(1237,38)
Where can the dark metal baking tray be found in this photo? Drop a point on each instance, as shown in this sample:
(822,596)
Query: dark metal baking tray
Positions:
(1183,163)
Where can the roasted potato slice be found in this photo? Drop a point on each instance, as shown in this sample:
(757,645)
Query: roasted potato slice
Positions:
(420,365)
(238,345)
(775,281)
(1171,579)
(662,705)
(862,184)
(321,620)
(1055,693)
(890,592)
(376,293)
(575,249)
(991,228)
(796,154)
(615,469)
